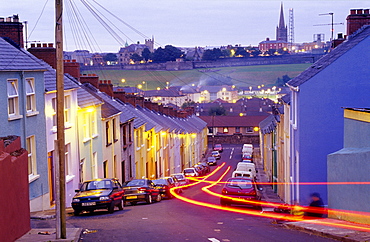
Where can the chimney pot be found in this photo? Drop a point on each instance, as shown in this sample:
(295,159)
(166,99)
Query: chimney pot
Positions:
(100,81)
(38,45)
(105,81)
(353,11)
(32,45)
(50,45)
(74,60)
(44,45)
(8,19)
(109,82)
(366,11)
(1,19)
(359,11)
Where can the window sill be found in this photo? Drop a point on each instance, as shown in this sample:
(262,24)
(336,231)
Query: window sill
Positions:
(32,178)
(95,136)
(86,140)
(69,178)
(108,144)
(32,113)
(14,117)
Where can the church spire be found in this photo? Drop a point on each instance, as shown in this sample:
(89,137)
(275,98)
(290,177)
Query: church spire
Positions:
(281,21)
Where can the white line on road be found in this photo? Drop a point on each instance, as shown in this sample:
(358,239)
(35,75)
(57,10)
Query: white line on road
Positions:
(213,239)
(231,154)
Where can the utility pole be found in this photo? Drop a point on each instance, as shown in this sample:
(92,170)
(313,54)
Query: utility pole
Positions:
(60,171)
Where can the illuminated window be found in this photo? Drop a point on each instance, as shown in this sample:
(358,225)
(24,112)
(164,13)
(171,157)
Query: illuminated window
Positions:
(249,129)
(54,111)
(13,103)
(107,134)
(115,139)
(30,95)
(30,146)
(67,157)
(67,108)
(226,130)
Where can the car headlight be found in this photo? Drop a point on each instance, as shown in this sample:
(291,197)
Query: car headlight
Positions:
(76,200)
(104,198)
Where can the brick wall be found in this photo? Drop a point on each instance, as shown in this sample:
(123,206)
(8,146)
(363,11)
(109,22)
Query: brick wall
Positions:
(14,192)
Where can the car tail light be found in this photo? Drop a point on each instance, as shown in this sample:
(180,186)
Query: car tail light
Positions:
(252,193)
(142,189)
(224,191)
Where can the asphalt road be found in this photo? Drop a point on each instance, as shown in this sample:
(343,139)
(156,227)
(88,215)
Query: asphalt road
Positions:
(177,220)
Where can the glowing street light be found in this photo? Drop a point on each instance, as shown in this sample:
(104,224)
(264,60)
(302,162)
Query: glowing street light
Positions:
(140,86)
(123,80)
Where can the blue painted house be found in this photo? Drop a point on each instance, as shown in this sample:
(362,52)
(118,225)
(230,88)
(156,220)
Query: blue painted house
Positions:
(22,110)
(339,79)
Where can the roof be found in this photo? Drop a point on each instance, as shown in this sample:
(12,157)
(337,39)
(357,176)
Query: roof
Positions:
(332,56)
(85,99)
(232,121)
(13,58)
(162,93)
(268,124)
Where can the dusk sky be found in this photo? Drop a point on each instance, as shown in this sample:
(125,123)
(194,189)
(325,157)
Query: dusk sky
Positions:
(182,23)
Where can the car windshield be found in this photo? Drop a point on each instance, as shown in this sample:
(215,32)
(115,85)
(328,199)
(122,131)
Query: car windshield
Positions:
(217,146)
(179,177)
(214,152)
(95,185)
(189,171)
(211,158)
(134,183)
(160,181)
(243,184)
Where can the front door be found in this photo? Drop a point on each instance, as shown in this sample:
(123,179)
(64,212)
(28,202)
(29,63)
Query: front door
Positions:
(51,177)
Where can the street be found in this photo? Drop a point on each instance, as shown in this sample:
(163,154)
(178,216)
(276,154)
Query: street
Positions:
(177,220)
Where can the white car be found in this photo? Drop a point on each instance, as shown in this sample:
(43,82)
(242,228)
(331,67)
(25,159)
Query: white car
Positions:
(181,178)
(191,172)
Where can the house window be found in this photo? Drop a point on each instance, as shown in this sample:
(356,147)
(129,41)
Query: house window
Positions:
(129,133)
(67,107)
(54,111)
(67,157)
(94,166)
(30,95)
(107,134)
(114,130)
(13,105)
(210,130)
(124,134)
(249,129)
(30,146)
(85,125)
(237,129)
(226,130)
(105,169)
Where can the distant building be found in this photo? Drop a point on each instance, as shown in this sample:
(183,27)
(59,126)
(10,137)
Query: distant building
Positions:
(281,29)
(125,53)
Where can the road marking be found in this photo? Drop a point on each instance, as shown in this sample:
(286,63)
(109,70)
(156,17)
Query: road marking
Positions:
(226,240)
(220,223)
(144,218)
(213,239)
(231,154)
(240,219)
(217,230)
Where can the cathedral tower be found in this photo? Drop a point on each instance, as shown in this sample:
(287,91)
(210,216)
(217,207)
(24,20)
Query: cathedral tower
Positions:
(281,29)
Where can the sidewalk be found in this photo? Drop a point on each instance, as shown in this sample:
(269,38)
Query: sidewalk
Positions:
(49,234)
(342,234)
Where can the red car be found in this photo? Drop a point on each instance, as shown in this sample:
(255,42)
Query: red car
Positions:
(218,147)
(141,190)
(241,188)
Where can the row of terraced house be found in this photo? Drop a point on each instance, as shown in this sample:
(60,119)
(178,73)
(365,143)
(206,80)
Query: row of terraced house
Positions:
(107,133)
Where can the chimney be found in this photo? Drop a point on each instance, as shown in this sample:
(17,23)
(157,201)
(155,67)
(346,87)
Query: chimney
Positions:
(140,101)
(12,29)
(106,87)
(93,79)
(72,68)
(356,19)
(45,52)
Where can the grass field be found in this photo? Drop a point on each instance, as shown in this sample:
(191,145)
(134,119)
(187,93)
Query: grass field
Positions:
(240,76)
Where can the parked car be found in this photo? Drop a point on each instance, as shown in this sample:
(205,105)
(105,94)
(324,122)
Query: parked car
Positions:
(98,194)
(218,147)
(200,169)
(164,185)
(190,172)
(247,148)
(246,157)
(139,190)
(241,188)
(181,179)
(211,161)
(216,154)
(205,166)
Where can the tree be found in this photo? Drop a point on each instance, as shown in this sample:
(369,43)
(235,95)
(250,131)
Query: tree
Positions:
(241,52)
(110,57)
(136,57)
(217,111)
(281,82)
(212,54)
(168,53)
(146,54)
(188,104)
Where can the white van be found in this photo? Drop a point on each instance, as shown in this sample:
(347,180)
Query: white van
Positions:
(242,174)
(247,167)
(247,148)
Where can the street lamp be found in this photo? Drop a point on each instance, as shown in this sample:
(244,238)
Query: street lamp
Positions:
(123,80)
(146,86)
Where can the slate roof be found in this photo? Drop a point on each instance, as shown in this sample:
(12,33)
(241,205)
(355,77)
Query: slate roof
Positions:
(232,121)
(17,59)
(162,93)
(268,124)
(286,98)
(329,58)
(85,99)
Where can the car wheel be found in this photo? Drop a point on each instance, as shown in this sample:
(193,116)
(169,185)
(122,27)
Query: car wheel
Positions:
(224,204)
(111,208)
(121,204)
(149,199)
(76,212)
(159,198)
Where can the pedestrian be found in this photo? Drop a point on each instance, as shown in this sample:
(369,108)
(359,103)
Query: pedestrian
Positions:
(316,207)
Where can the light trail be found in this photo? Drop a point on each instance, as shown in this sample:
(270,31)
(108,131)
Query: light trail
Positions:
(260,214)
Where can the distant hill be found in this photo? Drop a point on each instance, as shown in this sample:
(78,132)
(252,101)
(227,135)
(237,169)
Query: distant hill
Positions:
(240,76)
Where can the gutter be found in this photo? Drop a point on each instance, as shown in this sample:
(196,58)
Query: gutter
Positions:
(295,89)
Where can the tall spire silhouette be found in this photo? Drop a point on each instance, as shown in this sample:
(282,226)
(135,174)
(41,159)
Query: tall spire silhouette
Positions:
(281,29)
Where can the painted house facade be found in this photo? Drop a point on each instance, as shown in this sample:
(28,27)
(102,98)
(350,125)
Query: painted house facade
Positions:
(22,111)
(338,79)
